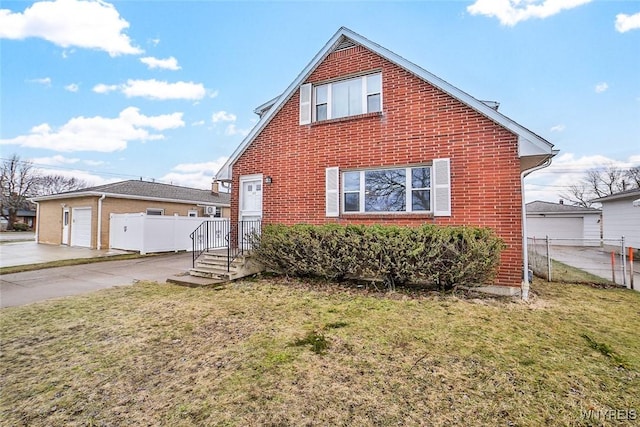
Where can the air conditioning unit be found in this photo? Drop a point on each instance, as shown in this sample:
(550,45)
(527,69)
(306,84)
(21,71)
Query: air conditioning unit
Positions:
(210,210)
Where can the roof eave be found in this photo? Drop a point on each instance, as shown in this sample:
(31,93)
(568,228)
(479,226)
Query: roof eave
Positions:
(124,196)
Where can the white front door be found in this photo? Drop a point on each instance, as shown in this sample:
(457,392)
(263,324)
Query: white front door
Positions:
(65,226)
(81,227)
(250,208)
(250,196)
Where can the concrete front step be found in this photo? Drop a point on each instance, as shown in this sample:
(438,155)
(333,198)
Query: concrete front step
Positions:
(213,273)
(195,281)
(213,265)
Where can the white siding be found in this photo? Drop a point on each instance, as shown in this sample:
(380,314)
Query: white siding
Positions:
(621,218)
(569,229)
(575,229)
(592,228)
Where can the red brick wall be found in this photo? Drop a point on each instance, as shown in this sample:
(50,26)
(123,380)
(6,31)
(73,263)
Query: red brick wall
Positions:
(418,123)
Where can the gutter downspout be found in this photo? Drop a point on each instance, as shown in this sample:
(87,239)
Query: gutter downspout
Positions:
(525,246)
(100,221)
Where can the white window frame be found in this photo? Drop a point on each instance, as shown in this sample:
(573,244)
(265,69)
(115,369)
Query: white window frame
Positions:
(159,210)
(366,92)
(408,191)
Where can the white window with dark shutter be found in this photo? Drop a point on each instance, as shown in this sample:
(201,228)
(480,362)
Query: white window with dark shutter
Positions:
(332,191)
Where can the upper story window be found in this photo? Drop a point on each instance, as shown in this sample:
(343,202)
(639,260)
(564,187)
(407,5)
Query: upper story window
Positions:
(344,98)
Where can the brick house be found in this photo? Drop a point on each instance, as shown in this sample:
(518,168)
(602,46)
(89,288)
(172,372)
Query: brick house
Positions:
(81,217)
(364,136)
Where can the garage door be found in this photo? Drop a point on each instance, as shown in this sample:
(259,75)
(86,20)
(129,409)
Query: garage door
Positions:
(566,229)
(81,227)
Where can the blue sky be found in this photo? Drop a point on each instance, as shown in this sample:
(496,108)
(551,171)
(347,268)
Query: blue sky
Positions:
(107,91)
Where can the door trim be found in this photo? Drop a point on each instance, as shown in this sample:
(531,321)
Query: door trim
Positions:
(242,213)
(66,216)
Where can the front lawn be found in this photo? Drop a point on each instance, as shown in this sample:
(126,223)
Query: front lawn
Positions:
(278,352)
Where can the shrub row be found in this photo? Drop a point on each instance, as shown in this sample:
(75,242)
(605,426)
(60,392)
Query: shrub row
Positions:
(430,255)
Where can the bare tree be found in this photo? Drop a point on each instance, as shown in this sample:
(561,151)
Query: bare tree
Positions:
(633,175)
(54,184)
(601,182)
(17,181)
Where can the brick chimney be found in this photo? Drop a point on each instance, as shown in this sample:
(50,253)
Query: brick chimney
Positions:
(215,189)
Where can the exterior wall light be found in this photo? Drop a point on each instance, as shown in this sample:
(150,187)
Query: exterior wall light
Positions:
(268,180)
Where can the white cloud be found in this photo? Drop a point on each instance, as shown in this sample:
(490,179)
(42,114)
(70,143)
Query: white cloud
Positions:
(626,23)
(167,64)
(98,134)
(155,89)
(94,162)
(558,128)
(601,87)
(223,116)
(56,160)
(102,88)
(68,23)
(214,93)
(198,123)
(196,175)
(81,175)
(73,87)
(510,12)
(46,81)
(232,130)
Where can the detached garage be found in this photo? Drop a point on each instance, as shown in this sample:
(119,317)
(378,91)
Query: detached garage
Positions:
(566,224)
(82,217)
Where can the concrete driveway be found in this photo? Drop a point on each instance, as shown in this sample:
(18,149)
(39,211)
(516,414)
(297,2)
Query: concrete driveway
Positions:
(24,288)
(596,261)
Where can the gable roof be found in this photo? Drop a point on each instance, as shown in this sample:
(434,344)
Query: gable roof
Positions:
(634,192)
(529,144)
(539,207)
(145,190)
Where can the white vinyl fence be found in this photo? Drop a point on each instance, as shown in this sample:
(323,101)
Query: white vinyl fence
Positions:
(156,233)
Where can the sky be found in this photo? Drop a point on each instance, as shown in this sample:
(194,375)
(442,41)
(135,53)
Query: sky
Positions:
(165,90)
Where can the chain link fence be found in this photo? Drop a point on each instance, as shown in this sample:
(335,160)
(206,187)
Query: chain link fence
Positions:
(601,261)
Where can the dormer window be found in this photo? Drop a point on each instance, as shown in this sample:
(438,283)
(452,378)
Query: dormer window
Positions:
(342,98)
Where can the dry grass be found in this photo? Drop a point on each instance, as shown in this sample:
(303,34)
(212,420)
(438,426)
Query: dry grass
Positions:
(245,355)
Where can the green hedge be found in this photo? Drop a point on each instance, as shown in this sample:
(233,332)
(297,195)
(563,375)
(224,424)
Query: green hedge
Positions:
(430,255)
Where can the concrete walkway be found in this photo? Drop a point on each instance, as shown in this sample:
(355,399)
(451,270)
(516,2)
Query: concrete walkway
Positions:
(31,286)
(29,252)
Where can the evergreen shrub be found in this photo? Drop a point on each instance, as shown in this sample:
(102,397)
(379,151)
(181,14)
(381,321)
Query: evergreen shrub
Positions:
(430,255)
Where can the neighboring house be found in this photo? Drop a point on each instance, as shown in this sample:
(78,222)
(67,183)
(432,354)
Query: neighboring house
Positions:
(23,216)
(81,217)
(621,217)
(565,224)
(365,136)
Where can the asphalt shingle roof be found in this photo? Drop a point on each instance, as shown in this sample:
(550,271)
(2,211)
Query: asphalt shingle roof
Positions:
(156,190)
(549,207)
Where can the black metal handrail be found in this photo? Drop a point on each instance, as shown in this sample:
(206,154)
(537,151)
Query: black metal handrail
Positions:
(241,239)
(237,238)
(211,234)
